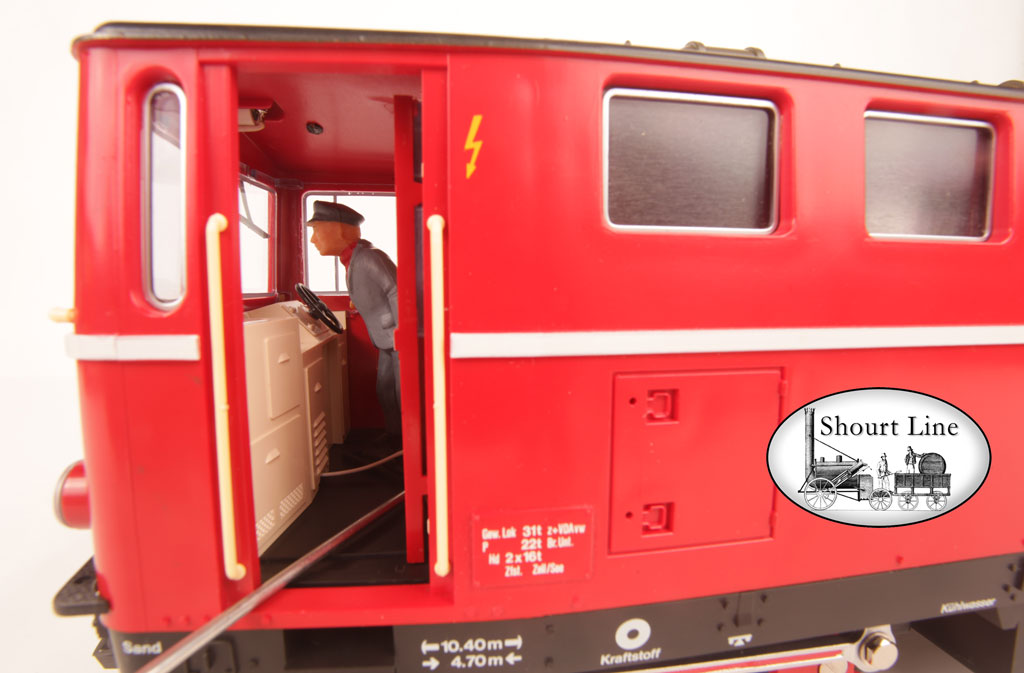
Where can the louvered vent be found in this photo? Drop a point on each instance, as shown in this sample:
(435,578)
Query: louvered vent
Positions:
(320,445)
(265,525)
(292,500)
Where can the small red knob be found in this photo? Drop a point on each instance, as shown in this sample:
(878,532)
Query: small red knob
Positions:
(71,499)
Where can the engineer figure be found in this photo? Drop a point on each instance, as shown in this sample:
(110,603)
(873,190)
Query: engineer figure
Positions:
(911,459)
(883,473)
(371,277)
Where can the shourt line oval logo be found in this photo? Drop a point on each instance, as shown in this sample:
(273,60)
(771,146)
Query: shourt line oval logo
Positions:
(879,457)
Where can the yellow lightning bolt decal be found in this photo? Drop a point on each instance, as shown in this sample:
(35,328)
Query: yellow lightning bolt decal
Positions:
(473,144)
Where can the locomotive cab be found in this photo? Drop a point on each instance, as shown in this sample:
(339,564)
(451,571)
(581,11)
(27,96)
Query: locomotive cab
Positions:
(340,135)
(273,415)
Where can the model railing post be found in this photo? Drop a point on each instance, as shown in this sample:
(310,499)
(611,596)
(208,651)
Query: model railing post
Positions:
(218,359)
(435,224)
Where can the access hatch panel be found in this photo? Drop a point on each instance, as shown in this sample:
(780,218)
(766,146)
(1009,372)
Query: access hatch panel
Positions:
(688,458)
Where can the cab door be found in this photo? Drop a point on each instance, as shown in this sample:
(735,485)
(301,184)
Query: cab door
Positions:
(420,187)
(216,213)
(143,337)
(409,336)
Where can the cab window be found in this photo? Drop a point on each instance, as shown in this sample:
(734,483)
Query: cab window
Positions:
(327,274)
(163,191)
(927,176)
(256,215)
(690,161)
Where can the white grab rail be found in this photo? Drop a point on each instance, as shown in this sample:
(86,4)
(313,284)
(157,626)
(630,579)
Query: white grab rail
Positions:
(435,224)
(215,287)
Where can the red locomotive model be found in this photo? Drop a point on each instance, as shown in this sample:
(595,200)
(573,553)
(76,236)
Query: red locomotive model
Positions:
(618,269)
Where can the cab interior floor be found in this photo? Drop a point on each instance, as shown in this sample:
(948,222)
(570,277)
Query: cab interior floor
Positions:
(376,555)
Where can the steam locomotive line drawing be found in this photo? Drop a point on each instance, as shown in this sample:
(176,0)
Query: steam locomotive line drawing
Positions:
(825,482)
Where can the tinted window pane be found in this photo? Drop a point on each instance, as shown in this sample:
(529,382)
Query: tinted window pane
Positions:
(690,162)
(165,208)
(927,179)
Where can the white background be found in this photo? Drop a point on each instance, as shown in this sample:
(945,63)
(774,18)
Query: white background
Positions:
(951,39)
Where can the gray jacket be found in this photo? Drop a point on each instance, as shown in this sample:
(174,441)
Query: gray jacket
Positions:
(373,288)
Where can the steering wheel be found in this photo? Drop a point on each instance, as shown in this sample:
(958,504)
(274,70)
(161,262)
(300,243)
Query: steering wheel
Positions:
(317,308)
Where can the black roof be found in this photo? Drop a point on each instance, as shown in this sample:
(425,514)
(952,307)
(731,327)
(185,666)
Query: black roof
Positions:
(731,58)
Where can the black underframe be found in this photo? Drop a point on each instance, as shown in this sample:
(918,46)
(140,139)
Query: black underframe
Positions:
(781,618)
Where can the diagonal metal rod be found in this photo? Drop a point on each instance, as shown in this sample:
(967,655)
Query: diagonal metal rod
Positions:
(178,653)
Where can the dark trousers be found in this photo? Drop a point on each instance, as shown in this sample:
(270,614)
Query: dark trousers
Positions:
(388,390)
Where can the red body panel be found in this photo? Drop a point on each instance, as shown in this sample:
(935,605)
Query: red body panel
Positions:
(543,157)
(538,432)
(529,250)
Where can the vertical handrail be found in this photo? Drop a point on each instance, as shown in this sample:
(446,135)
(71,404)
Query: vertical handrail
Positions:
(216,225)
(435,225)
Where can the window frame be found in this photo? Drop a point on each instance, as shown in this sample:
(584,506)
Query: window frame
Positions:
(146,185)
(246,176)
(935,121)
(700,99)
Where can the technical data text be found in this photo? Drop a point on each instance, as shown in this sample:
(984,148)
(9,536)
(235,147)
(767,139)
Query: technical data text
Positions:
(514,548)
(472,653)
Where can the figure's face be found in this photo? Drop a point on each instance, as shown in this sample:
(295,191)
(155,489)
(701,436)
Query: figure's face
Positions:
(331,238)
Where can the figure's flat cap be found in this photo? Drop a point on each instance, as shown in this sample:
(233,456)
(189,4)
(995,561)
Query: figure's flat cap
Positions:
(325,211)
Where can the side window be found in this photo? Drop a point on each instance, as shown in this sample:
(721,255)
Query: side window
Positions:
(927,176)
(257,210)
(690,161)
(327,274)
(163,195)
